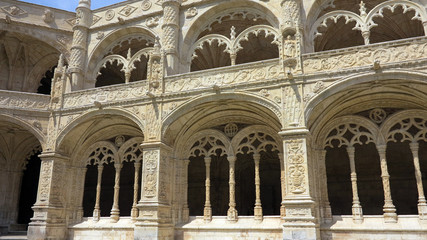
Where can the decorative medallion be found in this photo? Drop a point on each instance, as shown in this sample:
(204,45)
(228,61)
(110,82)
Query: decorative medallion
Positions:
(109,15)
(99,35)
(146,4)
(191,12)
(95,19)
(377,115)
(13,10)
(119,140)
(231,130)
(128,10)
(152,22)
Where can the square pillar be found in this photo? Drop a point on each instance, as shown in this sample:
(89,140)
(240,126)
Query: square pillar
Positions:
(299,219)
(49,220)
(155,211)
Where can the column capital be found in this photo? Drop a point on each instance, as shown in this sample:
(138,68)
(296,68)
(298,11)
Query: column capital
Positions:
(414,146)
(294,132)
(381,148)
(153,145)
(53,155)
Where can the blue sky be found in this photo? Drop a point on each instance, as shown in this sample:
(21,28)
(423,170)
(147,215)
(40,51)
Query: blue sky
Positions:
(70,5)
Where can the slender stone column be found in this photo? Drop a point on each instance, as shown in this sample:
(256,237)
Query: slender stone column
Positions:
(258,206)
(326,206)
(422,205)
(356,208)
(134,211)
(80,178)
(207,212)
(282,185)
(115,211)
(185,210)
(232,212)
(389,209)
(96,210)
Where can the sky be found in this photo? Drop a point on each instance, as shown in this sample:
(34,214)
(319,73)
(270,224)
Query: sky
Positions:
(70,5)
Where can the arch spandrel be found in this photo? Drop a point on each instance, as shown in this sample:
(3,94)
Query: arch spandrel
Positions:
(236,141)
(399,116)
(91,160)
(204,133)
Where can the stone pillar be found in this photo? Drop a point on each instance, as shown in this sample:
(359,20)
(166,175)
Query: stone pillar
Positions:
(299,222)
(115,211)
(79,45)
(356,208)
(282,185)
(232,212)
(422,205)
(258,206)
(389,209)
(185,210)
(170,36)
(96,210)
(325,207)
(49,211)
(134,211)
(154,220)
(207,212)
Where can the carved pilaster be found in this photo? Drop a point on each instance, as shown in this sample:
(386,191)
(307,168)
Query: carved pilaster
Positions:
(291,29)
(299,222)
(170,30)
(49,210)
(79,46)
(155,220)
(155,70)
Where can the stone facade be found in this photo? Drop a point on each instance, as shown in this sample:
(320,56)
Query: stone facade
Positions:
(190,119)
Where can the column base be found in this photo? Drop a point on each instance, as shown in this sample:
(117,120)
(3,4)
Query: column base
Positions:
(134,213)
(390,215)
(115,215)
(160,232)
(258,214)
(422,210)
(185,214)
(357,213)
(232,215)
(326,213)
(207,214)
(96,215)
(47,231)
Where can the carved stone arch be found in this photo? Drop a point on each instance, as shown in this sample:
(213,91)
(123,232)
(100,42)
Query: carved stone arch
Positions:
(335,16)
(396,118)
(204,133)
(102,152)
(268,30)
(348,82)
(38,72)
(31,150)
(112,59)
(102,47)
(97,113)
(210,39)
(40,136)
(201,99)
(244,133)
(199,24)
(377,11)
(127,152)
(320,137)
(50,38)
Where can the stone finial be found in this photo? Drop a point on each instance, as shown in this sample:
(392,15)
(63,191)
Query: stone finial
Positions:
(48,16)
(233,33)
(362,9)
(84,4)
(61,61)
